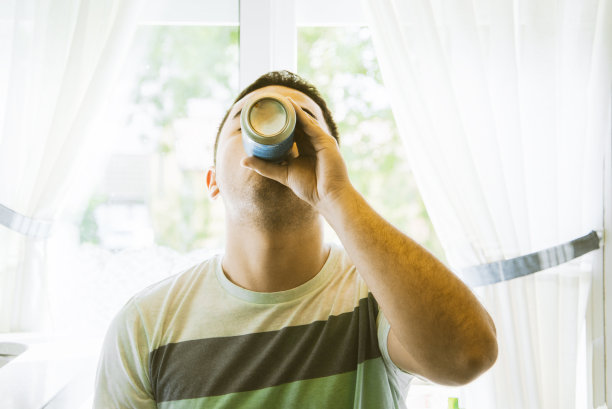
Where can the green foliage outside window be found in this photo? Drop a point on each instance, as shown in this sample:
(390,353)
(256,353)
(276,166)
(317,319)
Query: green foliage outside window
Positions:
(341,63)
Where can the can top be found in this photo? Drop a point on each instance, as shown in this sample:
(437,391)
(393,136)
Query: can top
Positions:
(268,118)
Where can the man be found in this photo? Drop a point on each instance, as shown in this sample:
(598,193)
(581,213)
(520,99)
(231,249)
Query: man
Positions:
(281,319)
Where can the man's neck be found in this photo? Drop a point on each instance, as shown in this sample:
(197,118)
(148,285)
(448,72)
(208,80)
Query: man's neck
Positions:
(265,261)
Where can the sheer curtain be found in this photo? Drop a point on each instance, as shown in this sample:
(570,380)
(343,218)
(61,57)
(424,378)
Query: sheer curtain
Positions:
(503,107)
(59,57)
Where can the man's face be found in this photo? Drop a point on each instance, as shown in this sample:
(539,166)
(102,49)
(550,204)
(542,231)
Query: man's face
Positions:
(248,196)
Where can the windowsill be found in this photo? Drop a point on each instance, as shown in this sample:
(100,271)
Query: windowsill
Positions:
(54,371)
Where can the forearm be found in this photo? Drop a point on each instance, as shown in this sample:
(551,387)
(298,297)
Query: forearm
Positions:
(432,313)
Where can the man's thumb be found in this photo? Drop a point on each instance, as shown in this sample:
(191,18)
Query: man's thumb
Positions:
(267,169)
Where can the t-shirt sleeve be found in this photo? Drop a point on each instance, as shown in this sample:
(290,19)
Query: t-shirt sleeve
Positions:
(400,378)
(122,379)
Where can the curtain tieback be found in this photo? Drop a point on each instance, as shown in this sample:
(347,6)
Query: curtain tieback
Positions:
(503,270)
(38,229)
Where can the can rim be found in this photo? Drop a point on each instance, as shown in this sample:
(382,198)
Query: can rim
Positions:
(255,129)
(278,137)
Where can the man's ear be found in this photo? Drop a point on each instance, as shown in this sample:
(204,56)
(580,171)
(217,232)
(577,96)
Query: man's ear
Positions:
(211,183)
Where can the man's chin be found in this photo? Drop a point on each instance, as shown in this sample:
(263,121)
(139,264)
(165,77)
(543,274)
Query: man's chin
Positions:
(278,200)
(274,206)
(269,189)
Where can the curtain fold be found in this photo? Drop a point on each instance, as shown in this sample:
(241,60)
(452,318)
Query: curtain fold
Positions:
(503,107)
(61,58)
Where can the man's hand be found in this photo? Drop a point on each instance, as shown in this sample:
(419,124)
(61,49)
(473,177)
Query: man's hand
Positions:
(317,173)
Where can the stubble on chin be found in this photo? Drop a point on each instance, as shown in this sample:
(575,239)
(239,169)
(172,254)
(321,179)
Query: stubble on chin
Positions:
(269,205)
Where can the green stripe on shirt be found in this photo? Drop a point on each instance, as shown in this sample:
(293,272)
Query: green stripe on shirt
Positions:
(364,388)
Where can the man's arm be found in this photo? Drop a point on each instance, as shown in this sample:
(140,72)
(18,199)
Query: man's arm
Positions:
(439,330)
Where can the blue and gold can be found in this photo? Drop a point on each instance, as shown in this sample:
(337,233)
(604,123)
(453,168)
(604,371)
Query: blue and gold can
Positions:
(268,126)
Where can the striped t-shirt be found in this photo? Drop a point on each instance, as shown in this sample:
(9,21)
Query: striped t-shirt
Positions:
(196,340)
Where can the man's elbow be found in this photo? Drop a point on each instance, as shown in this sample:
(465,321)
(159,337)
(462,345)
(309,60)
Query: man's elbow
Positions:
(477,361)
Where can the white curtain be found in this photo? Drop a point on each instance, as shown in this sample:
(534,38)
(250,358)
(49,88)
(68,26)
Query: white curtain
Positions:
(503,106)
(59,58)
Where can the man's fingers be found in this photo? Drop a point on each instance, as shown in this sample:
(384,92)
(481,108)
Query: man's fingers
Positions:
(308,122)
(311,127)
(267,169)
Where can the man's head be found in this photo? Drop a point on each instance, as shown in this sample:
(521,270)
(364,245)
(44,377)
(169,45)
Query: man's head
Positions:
(289,80)
(250,198)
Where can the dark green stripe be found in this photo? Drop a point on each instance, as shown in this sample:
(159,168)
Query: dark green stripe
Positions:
(218,366)
(366,388)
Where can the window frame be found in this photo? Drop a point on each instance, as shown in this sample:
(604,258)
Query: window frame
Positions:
(263,47)
(602,286)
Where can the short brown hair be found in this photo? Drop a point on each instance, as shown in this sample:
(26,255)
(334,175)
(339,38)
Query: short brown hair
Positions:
(290,80)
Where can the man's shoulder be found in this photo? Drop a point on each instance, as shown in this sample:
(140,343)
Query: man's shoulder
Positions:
(182,279)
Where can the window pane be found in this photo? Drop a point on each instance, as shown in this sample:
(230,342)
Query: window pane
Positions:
(341,62)
(144,206)
(153,188)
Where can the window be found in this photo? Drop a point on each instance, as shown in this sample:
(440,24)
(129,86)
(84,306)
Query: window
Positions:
(144,207)
(152,190)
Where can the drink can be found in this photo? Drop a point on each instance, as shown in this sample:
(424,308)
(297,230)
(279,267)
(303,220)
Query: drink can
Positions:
(268,125)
